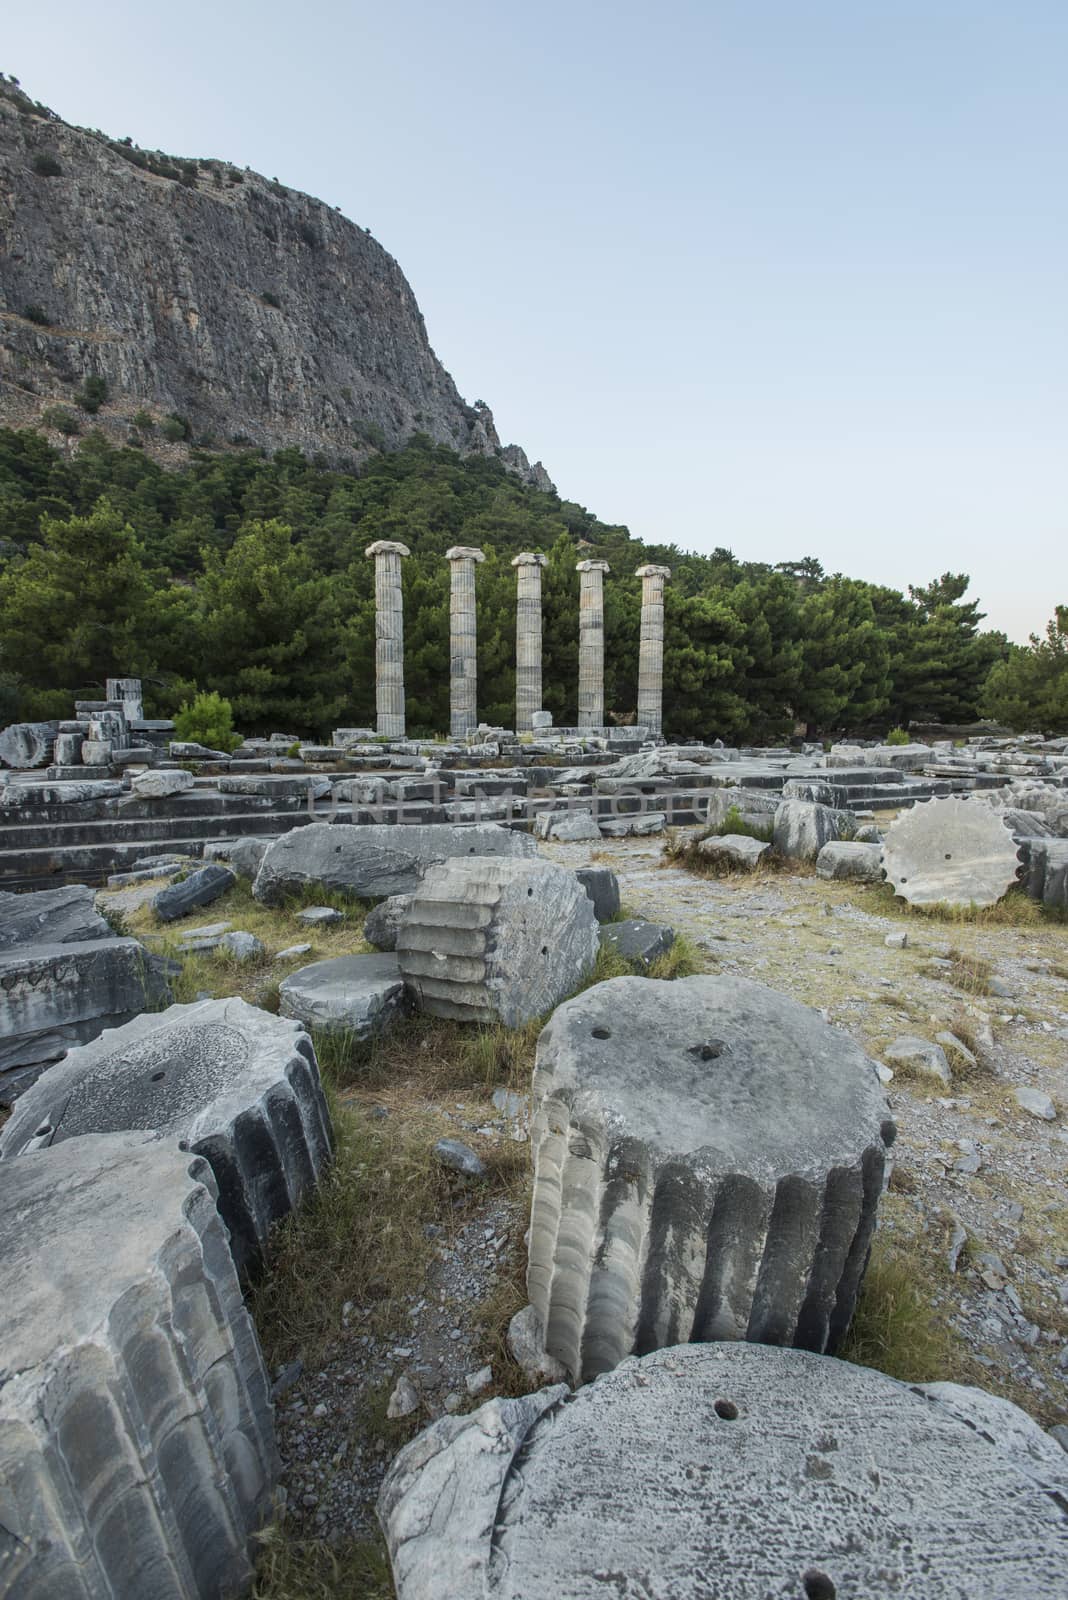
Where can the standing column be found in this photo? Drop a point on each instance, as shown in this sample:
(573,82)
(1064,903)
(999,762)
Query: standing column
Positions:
(463,660)
(591,643)
(389,637)
(651,647)
(527,638)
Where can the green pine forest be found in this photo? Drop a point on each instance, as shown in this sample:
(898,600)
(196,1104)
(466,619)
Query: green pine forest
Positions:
(245,574)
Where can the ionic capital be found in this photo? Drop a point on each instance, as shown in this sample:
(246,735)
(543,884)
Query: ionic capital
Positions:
(387,547)
(528,558)
(463,552)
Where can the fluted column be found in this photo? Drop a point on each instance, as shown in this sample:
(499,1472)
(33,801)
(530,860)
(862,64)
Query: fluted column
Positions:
(591,643)
(463,661)
(527,638)
(651,647)
(389,637)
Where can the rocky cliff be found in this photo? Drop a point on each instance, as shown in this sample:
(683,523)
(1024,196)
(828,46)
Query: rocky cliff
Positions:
(210,304)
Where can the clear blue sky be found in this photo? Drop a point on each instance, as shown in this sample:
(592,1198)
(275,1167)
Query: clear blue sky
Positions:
(789,276)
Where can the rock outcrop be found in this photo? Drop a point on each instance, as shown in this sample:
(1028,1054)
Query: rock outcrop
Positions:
(191,289)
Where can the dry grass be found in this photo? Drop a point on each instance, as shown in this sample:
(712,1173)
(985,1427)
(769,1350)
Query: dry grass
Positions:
(896,1329)
(969,972)
(682,851)
(1015,909)
(308,1569)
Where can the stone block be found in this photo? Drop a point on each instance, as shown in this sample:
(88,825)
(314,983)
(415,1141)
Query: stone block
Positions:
(638,941)
(382,923)
(162,783)
(199,889)
(753,804)
(570,827)
(708,1156)
(245,855)
(28,744)
(68,749)
(802,828)
(374,861)
(950,852)
(493,940)
(51,916)
(1047,872)
(762,1472)
(357,995)
(137,1452)
(841,859)
(55,996)
(911,1054)
(733,850)
(638,825)
(233,1083)
(26,796)
(602,886)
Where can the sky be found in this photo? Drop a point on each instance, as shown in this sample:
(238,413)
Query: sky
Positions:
(785,276)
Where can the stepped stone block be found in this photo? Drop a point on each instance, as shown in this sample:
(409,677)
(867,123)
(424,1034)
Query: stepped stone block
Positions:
(29,795)
(708,1159)
(731,1472)
(490,940)
(137,1453)
(227,1080)
(28,744)
(374,861)
(950,852)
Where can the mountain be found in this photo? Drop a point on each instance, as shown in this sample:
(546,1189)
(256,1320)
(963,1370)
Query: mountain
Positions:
(190,302)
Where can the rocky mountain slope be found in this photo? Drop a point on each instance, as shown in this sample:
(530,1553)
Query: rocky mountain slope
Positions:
(209,303)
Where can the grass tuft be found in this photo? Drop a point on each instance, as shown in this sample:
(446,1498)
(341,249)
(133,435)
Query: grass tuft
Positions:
(309,1569)
(896,1330)
(1015,909)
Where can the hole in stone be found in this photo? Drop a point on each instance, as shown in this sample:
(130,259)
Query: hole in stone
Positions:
(948,856)
(726,1409)
(183,1144)
(43,1130)
(602,1033)
(545,949)
(818,1586)
(158,1077)
(529,892)
(903,880)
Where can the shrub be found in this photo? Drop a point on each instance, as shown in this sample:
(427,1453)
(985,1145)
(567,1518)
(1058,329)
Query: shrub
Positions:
(61,419)
(897,736)
(174,428)
(92,394)
(46,166)
(143,421)
(38,314)
(208,719)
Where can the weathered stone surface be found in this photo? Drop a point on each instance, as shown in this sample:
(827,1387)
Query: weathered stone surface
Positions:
(950,852)
(243,947)
(651,646)
(320,916)
(374,861)
(460,1157)
(137,1452)
(602,886)
(97,752)
(755,805)
(245,855)
(638,941)
(708,1159)
(1035,1102)
(190,750)
(21,795)
(801,829)
(526,1346)
(734,850)
(814,790)
(591,643)
(236,1084)
(463,653)
(918,1055)
(199,889)
(28,744)
(1047,872)
(568,826)
(54,996)
(360,995)
(51,916)
(488,939)
(846,859)
(382,923)
(763,1472)
(528,565)
(162,782)
(637,824)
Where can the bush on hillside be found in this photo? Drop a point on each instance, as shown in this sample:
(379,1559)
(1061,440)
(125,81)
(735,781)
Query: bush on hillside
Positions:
(209,720)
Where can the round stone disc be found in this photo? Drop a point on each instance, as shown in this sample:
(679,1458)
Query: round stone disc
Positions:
(950,852)
(731,1472)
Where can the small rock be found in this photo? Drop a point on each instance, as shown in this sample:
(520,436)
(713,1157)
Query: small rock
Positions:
(287,1377)
(404,1399)
(886,1074)
(526,1343)
(382,924)
(242,946)
(919,1055)
(321,1409)
(319,916)
(475,1382)
(955,1048)
(896,941)
(291,952)
(452,1402)
(1059,1431)
(460,1157)
(1035,1102)
(956,1245)
(969,1161)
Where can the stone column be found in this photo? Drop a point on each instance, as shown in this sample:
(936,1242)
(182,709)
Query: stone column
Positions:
(651,647)
(128,692)
(591,643)
(463,663)
(389,637)
(527,638)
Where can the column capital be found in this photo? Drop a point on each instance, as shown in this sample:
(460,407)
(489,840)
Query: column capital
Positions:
(464,552)
(592,566)
(530,558)
(652,572)
(387,547)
